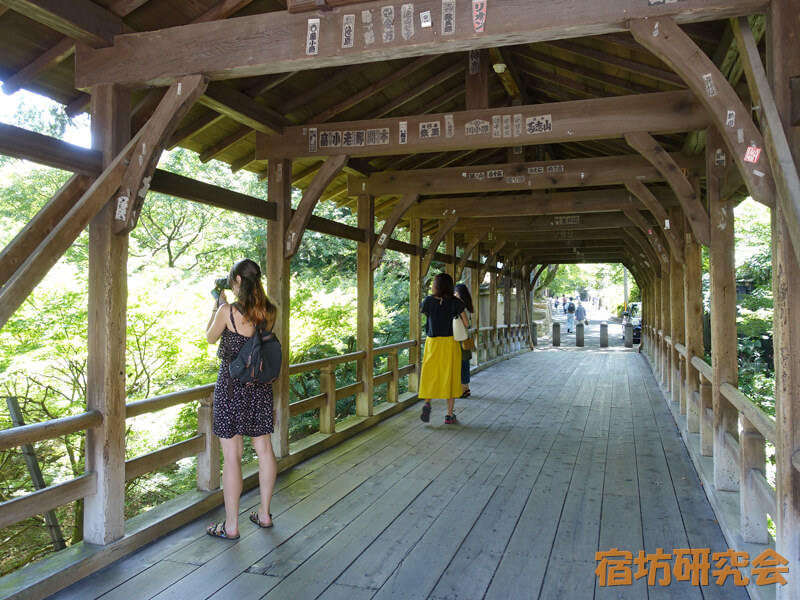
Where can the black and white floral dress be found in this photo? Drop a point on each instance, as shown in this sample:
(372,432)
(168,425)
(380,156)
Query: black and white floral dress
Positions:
(239,409)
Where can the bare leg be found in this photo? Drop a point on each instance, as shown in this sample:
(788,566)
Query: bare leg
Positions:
(232,482)
(267,473)
(451,404)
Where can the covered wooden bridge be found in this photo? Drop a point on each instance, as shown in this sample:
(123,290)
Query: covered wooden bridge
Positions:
(516,134)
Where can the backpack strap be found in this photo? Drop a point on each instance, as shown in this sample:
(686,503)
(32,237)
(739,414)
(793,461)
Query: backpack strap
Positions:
(233,321)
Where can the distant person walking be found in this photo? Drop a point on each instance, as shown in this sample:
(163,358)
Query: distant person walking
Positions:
(580,314)
(462,293)
(441,365)
(564,303)
(570,309)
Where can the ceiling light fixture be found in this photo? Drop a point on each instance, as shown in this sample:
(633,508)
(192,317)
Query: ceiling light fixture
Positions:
(499,67)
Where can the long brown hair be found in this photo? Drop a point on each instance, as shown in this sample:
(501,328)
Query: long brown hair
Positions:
(252,299)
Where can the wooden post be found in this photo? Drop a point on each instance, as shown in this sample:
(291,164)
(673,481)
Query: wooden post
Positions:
(493,337)
(783,59)
(208,462)
(693,326)
(666,354)
(414,300)
(507,341)
(753,517)
(657,323)
(279,190)
(393,387)
(677,319)
(706,427)
(104,511)
(29,456)
(450,249)
(475,291)
(366,222)
(723,319)
(327,412)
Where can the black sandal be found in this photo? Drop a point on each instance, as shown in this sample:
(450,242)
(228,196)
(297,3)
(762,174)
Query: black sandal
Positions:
(254,518)
(426,412)
(466,394)
(218,530)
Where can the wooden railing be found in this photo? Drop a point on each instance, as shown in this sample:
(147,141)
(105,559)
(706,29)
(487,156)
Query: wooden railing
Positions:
(745,447)
(494,342)
(204,444)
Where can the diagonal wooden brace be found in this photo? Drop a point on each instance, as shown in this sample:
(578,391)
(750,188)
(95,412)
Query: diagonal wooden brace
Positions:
(444,228)
(655,240)
(667,41)
(643,193)
(180,97)
(648,147)
(400,208)
(323,178)
(462,262)
(491,260)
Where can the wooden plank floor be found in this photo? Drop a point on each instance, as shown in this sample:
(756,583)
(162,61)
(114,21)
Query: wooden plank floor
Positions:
(558,454)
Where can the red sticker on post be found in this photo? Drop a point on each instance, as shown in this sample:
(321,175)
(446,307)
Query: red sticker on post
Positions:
(478,15)
(752,154)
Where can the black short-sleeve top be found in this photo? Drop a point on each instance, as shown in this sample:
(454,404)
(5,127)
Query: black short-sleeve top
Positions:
(440,313)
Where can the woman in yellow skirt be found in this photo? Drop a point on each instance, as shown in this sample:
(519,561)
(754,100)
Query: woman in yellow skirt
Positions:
(441,365)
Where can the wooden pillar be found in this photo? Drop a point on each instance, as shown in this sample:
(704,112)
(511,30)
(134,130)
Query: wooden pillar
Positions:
(104,518)
(677,319)
(657,324)
(506,347)
(492,343)
(279,190)
(665,326)
(693,326)
(476,80)
(450,249)
(724,346)
(783,61)
(366,292)
(475,291)
(414,300)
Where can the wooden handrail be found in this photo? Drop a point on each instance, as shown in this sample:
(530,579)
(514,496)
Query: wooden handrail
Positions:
(668,340)
(47,430)
(681,349)
(796,460)
(325,362)
(755,415)
(162,457)
(156,403)
(397,346)
(765,493)
(40,501)
(703,368)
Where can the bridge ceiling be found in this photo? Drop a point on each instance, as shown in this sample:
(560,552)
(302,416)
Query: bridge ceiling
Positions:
(554,189)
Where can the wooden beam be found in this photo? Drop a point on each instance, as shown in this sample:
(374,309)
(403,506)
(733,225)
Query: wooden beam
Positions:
(636,217)
(176,103)
(665,39)
(46,150)
(535,203)
(545,223)
(333,165)
(500,177)
(666,112)
(648,147)
(643,193)
(419,89)
(400,208)
(476,79)
(445,226)
(57,54)
(242,108)
(81,20)
(257,44)
(777,145)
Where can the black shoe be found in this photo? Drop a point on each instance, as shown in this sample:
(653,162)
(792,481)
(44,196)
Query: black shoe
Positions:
(426,412)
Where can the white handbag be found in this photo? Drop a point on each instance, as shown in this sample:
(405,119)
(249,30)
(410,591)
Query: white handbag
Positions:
(459,329)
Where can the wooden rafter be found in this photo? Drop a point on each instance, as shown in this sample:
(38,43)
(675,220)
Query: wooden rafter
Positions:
(652,234)
(294,233)
(81,20)
(382,241)
(648,147)
(668,42)
(182,95)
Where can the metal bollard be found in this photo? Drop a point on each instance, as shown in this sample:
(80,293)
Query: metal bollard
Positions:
(629,335)
(535,333)
(604,335)
(579,334)
(556,334)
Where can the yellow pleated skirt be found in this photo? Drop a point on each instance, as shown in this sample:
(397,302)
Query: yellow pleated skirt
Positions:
(441,369)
